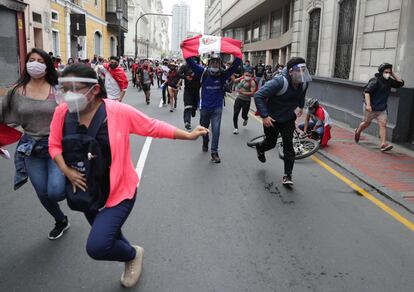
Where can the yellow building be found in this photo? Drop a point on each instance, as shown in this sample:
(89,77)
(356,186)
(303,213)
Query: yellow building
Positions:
(100,29)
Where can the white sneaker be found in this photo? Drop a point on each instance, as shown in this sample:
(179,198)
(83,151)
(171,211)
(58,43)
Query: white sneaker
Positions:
(245,123)
(133,268)
(236,131)
(4,153)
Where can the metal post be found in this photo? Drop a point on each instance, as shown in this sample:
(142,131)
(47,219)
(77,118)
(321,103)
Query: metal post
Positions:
(136,28)
(147,47)
(119,37)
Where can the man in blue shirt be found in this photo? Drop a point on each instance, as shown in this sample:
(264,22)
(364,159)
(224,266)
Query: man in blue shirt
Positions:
(277,102)
(213,79)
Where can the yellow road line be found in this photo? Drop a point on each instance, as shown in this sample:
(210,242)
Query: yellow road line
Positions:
(407,223)
(404,221)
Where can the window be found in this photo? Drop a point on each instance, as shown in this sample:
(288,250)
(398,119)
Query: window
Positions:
(276,24)
(55,43)
(313,40)
(228,33)
(98,43)
(37,17)
(345,39)
(286,17)
(255,31)
(264,31)
(247,34)
(112,46)
(55,16)
(239,33)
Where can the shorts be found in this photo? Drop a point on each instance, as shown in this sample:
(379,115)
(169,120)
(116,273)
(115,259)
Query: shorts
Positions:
(146,87)
(380,116)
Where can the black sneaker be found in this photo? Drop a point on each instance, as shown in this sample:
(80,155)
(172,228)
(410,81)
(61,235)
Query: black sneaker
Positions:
(260,155)
(60,228)
(205,147)
(287,180)
(148,101)
(188,126)
(215,158)
(175,104)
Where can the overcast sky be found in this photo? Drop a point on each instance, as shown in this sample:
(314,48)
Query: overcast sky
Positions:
(197,12)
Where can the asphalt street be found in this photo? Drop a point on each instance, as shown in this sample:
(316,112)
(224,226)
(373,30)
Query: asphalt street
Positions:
(228,227)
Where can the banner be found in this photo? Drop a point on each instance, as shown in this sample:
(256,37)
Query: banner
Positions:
(206,44)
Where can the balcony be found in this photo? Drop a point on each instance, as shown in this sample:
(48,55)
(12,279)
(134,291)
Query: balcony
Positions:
(111,6)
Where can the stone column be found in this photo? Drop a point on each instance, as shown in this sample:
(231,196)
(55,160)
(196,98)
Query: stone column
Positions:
(269,59)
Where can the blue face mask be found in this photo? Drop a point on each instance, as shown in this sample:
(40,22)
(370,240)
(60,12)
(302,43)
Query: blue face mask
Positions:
(214,70)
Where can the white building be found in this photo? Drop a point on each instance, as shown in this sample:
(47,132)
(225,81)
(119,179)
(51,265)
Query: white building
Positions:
(180,25)
(212,22)
(152,30)
(39,30)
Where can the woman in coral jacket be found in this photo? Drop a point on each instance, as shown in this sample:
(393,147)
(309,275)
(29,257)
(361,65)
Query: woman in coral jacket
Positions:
(85,95)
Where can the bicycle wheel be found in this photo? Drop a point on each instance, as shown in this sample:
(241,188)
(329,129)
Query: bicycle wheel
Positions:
(303,147)
(253,142)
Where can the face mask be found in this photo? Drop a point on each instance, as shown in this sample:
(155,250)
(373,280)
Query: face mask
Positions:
(36,70)
(113,66)
(214,70)
(386,76)
(76,102)
(247,78)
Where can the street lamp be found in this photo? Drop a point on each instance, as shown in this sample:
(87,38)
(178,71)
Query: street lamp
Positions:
(119,15)
(147,47)
(136,28)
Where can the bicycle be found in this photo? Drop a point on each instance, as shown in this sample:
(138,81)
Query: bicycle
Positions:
(304,146)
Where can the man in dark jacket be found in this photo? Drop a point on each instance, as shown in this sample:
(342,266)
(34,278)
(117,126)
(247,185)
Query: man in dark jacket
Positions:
(376,95)
(191,92)
(277,102)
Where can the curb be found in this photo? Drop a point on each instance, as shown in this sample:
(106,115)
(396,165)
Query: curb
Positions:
(388,194)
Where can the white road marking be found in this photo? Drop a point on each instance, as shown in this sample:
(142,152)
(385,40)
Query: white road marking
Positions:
(143,158)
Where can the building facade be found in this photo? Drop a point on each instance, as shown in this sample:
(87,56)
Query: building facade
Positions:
(152,30)
(38,28)
(212,22)
(343,42)
(101,32)
(13,42)
(180,26)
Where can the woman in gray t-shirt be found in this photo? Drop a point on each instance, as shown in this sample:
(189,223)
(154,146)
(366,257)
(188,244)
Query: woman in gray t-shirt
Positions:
(31,104)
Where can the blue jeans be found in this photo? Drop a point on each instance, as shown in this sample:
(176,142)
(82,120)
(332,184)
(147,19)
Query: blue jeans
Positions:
(106,241)
(48,182)
(213,116)
(311,124)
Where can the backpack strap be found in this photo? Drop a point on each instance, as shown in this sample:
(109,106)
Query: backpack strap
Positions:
(71,124)
(97,121)
(284,88)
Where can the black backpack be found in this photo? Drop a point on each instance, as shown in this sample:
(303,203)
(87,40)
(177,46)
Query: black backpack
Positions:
(82,152)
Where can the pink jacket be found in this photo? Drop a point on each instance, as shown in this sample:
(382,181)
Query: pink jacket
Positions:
(122,121)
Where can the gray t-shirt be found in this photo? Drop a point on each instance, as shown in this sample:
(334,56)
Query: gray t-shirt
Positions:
(33,115)
(246,86)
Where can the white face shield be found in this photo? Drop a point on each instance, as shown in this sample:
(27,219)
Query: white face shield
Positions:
(73,91)
(300,73)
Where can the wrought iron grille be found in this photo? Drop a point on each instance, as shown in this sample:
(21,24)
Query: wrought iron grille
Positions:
(345,39)
(313,40)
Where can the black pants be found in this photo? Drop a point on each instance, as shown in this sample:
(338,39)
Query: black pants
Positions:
(191,101)
(286,130)
(165,93)
(240,105)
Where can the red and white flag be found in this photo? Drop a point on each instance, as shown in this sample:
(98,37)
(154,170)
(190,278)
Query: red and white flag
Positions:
(205,44)
(8,136)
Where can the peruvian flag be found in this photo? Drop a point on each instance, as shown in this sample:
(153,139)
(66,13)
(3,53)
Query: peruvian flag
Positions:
(8,136)
(206,44)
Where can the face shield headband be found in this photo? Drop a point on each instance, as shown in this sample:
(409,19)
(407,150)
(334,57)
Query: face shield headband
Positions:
(69,92)
(300,73)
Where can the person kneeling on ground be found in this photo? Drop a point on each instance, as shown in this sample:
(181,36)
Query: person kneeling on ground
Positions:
(317,121)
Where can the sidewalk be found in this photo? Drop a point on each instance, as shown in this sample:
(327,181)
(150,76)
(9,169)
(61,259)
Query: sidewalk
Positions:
(390,173)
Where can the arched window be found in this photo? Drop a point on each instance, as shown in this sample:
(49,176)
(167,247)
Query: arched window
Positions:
(112,46)
(98,43)
(345,39)
(313,40)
